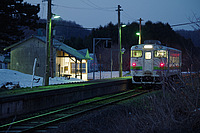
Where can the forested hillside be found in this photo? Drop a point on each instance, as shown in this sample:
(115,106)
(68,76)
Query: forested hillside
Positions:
(193,35)
(62,29)
(150,31)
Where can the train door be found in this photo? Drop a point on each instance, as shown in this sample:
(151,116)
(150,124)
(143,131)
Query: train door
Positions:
(148,62)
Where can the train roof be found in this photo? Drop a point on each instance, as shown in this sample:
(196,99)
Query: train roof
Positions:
(152,47)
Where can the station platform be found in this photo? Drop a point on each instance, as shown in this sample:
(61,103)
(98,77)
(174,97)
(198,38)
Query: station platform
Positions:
(26,100)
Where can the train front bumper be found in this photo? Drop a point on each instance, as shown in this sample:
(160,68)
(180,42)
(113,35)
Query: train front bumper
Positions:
(146,80)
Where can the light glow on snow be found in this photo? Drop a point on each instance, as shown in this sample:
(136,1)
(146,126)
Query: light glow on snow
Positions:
(24,80)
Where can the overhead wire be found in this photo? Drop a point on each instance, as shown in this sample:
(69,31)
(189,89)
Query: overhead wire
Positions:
(126,15)
(96,7)
(185,24)
(80,8)
(93,4)
(100,8)
(87,3)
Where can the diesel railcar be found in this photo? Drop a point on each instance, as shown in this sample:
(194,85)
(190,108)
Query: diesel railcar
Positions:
(151,61)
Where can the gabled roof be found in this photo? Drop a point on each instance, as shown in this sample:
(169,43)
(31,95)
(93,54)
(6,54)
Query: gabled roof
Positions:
(57,45)
(85,53)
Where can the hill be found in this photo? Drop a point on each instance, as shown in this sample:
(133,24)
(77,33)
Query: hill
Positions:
(62,29)
(150,31)
(193,35)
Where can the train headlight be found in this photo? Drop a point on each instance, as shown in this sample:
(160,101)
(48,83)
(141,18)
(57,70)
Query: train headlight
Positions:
(148,46)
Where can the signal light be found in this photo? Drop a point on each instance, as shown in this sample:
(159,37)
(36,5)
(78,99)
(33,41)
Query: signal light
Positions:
(162,64)
(134,64)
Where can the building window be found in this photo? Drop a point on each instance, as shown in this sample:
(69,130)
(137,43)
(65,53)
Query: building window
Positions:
(73,67)
(66,69)
(78,68)
(83,67)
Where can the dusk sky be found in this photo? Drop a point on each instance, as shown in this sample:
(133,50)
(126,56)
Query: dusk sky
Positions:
(93,13)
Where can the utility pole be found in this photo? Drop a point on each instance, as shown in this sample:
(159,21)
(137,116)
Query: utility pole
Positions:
(119,41)
(140,36)
(51,51)
(48,44)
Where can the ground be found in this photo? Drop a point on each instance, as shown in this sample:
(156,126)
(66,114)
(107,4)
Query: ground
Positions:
(11,78)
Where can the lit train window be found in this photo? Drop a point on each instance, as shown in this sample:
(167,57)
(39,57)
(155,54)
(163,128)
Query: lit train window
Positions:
(136,53)
(147,55)
(160,53)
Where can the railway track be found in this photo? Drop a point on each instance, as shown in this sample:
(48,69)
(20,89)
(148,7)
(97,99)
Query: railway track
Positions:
(50,120)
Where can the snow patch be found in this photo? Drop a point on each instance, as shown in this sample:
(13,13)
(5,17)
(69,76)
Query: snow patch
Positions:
(11,78)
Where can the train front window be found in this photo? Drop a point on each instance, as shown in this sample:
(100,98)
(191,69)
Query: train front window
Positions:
(147,55)
(160,53)
(136,53)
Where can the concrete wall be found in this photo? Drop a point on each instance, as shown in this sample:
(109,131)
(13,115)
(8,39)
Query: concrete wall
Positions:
(26,103)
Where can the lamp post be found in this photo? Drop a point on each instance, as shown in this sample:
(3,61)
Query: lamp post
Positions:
(47,49)
(48,45)
(54,16)
(120,50)
(138,34)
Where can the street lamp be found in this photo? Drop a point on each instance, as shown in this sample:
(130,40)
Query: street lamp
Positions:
(120,50)
(56,16)
(123,25)
(48,43)
(138,34)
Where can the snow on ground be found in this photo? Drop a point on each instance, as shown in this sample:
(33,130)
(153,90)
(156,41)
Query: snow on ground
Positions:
(106,74)
(25,80)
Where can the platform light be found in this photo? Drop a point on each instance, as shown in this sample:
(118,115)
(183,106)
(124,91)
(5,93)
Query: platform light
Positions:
(138,33)
(55,16)
(148,46)
(123,25)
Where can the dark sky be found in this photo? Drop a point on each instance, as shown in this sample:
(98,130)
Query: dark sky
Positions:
(93,13)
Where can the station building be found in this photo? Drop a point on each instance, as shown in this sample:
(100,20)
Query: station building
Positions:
(66,60)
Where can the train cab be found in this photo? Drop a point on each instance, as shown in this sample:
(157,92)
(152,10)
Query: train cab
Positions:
(151,60)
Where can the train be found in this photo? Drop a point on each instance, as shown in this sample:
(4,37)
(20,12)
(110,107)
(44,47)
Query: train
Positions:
(151,61)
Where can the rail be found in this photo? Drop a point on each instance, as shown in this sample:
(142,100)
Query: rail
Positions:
(43,121)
